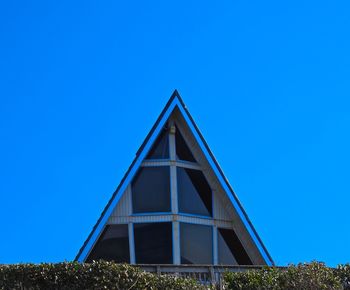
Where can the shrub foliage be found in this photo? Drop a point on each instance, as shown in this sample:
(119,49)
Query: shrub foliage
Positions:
(306,276)
(108,275)
(97,275)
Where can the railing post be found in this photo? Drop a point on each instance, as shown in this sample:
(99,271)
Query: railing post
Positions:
(212,275)
(221,285)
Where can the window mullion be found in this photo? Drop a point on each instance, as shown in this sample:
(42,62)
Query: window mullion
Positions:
(131,243)
(173,178)
(176,243)
(174,199)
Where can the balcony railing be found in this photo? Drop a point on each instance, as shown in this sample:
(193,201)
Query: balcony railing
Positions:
(205,274)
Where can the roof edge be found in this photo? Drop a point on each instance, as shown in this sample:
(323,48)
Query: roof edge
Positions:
(228,185)
(174,95)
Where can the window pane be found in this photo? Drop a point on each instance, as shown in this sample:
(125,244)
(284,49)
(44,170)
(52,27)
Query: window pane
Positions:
(182,150)
(196,244)
(194,192)
(228,242)
(113,245)
(153,243)
(151,190)
(160,148)
(225,256)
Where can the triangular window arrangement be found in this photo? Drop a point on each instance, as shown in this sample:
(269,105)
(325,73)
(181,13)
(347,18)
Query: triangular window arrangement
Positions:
(174,205)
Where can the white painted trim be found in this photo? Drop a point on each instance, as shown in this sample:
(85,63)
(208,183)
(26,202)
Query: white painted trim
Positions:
(173,190)
(170,217)
(156,163)
(174,196)
(176,243)
(188,164)
(131,243)
(173,177)
(177,163)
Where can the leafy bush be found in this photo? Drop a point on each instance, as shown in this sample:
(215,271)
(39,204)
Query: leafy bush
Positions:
(343,272)
(302,276)
(97,275)
(108,275)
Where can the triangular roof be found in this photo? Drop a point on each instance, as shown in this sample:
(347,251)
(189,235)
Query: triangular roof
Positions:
(174,102)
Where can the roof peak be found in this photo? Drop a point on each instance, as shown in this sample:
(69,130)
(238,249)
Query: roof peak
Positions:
(175,95)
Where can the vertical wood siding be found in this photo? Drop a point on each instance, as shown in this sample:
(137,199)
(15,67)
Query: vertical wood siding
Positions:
(124,207)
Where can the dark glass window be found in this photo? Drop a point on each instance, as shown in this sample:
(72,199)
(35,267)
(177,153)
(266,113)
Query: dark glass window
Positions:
(194,192)
(160,148)
(196,244)
(225,255)
(230,246)
(182,150)
(113,245)
(153,243)
(151,190)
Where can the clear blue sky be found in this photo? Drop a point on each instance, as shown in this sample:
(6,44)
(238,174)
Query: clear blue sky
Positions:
(82,82)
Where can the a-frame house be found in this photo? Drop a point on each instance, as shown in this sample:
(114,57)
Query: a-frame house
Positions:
(174,205)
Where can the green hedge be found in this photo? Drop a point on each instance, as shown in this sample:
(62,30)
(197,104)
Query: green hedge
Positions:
(108,275)
(97,275)
(313,275)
